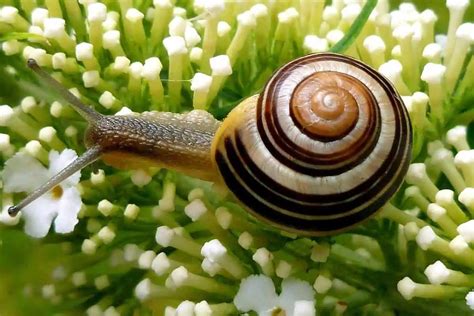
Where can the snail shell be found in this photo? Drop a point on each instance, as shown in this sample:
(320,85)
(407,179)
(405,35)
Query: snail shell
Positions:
(322,148)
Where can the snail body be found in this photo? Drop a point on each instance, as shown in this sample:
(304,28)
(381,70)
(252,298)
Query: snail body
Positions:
(322,148)
(175,141)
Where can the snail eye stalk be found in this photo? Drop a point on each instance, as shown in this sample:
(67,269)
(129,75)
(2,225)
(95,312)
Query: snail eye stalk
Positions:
(86,112)
(91,155)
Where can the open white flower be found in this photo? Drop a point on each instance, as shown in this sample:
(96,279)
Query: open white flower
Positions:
(257,293)
(23,173)
(470,299)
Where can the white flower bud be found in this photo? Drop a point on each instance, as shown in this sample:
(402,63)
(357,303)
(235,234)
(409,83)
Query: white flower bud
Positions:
(322,284)
(426,236)
(202,309)
(315,44)
(11,47)
(146,259)
(466,230)
(374,43)
(47,134)
(133,15)
(201,82)
(91,78)
(220,65)
(262,256)
(78,278)
(164,235)
(175,45)
(210,267)
(101,282)
(59,60)
(406,287)
(433,73)
(122,63)
(111,39)
(6,114)
(432,52)
(283,269)
(437,272)
(223,28)
(89,246)
(84,51)
(48,291)
(466,197)
(195,54)
(457,4)
(179,276)
(213,250)
(161,264)
(131,211)
(247,19)
(96,12)
(259,10)
(107,100)
(140,177)
(54,27)
(135,70)
(143,289)
(195,209)
(214,7)
(196,193)
(458,245)
(224,217)
(38,16)
(185,308)
(457,137)
(124,111)
(177,26)
(191,36)
(106,235)
(4,142)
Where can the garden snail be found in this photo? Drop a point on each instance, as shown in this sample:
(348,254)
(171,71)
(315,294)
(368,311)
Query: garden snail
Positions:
(323,147)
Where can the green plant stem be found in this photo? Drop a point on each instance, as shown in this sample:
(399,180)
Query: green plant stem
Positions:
(355,29)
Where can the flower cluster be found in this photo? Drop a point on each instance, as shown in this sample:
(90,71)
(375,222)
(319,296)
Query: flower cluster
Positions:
(135,241)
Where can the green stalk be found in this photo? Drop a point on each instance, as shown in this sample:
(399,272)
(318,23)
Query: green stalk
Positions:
(355,29)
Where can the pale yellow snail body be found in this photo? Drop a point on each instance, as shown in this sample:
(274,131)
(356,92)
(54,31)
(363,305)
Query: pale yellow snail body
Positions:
(322,148)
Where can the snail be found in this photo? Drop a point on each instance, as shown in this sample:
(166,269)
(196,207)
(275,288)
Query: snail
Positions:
(323,147)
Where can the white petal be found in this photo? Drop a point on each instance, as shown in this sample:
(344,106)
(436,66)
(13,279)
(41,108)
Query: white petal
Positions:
(39,215)
(58,162)
(23,173)
(304,308)
(69,207)
(256,293)
(293,290)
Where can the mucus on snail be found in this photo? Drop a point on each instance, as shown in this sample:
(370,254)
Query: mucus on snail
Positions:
(322,148)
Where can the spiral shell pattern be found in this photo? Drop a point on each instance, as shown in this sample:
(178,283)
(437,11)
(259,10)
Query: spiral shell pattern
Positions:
(322,148)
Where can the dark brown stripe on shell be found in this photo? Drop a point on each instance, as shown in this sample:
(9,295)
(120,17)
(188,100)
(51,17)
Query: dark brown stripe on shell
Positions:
(310,227)
(303,161)
(310,204)
(320,164)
